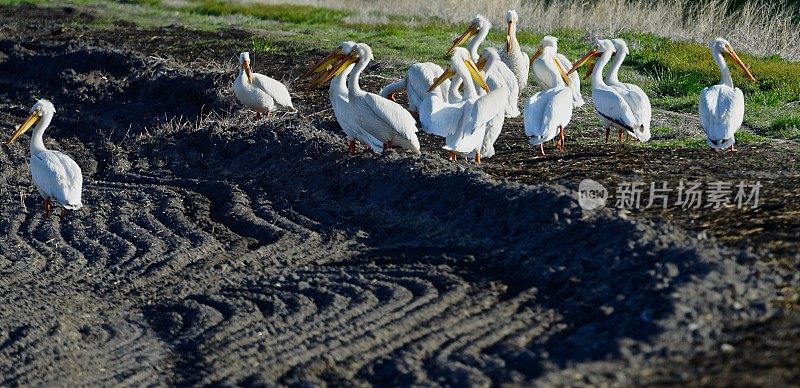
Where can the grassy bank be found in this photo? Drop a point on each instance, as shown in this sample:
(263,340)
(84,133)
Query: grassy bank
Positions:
(672,72)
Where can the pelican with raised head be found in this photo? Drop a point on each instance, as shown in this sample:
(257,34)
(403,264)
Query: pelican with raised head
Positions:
(57,177)
(464,123)
(722,105)
(513,56)
(542,69)
(613,110)
(418,79)
(258,92)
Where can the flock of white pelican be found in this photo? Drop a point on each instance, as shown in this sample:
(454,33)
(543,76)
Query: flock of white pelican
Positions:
(468,111)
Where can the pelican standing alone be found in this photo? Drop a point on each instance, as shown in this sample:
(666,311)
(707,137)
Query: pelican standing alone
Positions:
(548,112)
(258,92)
(384,119)
(513,56)
(338,94)
(636,97)
(57,177)
(543,72)
(463,123)
(612,108)
(722,105)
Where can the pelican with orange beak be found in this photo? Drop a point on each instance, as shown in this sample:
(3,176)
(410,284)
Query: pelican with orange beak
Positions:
(542,69)
(463,123)
(258,92)
(336,67)
(722,105)
(613,110)
(57,177)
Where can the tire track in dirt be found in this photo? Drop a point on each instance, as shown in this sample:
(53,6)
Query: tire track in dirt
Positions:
(227,251)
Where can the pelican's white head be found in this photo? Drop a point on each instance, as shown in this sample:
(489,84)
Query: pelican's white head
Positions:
(244,65)
(488,58)
(461,61)
(620,46)
(41,110)
(480,22)
(347,46)
(363,51)
(600,47)
(722,47)
(511,16)
(550,41)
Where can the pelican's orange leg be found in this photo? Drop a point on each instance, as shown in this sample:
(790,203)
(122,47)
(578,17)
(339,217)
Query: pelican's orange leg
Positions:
(48,207)
(541,149)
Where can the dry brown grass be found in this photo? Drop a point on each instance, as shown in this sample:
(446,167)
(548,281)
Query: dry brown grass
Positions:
(762,28)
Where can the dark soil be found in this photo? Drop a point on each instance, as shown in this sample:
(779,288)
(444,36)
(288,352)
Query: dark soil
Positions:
(217,249)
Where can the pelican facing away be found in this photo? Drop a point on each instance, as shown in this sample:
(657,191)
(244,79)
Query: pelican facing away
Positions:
(418,79)
(722,105)
(513,56)
(57,177)
(548,112)
(543,72)
(462,123)
(338,95)
(382,118)
(258,92)
(613,110)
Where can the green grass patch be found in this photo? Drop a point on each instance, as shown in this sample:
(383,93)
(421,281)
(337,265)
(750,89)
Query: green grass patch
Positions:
(784,127)
(261,46)
(285,13)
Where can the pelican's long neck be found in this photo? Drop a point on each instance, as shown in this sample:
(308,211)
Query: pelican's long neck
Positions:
(475,42)
(549,56)
(454,94)
(597,73)
(513,43)
(612,77)
(352,83)
(469,86)
(339,83)
(37,142)
(723,68)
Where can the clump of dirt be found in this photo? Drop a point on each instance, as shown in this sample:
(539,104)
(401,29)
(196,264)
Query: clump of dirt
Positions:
(216,249)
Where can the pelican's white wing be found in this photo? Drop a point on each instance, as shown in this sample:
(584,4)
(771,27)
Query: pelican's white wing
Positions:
(501,77)
(612,106)
(545,112)
(721,114)
(575,81)
(57,176)
(640,106)
(420,77)
(394,120)
(274,88)
(439,117)
(479,111)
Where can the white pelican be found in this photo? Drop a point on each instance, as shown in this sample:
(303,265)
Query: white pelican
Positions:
(338,94)
(513,56)
(386,120)
(634,95)
(418,79)
(57,177)
(612,108)
(463,123)
(489,61)
(259,92)
(722,105)
(543,72)
(478,30)
(548,112)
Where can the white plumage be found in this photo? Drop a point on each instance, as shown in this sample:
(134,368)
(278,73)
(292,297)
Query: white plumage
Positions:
(386,120)
(634,95)
(57,177)
(722,106)
(545,77)
(418,79)
(258,92)
(513,56)
(462,123)
(548,112)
